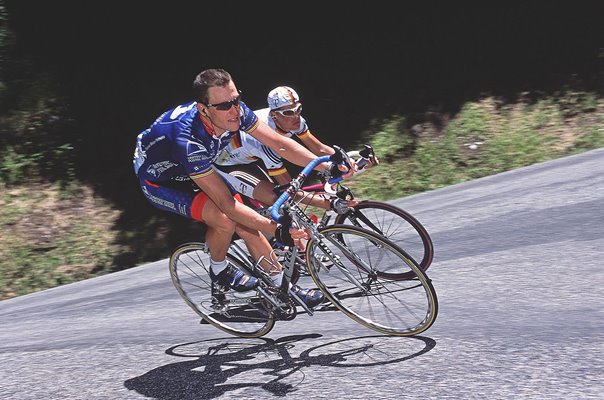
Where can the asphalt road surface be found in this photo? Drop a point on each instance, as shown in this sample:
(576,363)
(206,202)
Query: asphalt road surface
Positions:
(519,274)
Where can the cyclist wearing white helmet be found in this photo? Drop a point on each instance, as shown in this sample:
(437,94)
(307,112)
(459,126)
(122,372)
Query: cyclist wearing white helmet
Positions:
(284,114)
(253,169)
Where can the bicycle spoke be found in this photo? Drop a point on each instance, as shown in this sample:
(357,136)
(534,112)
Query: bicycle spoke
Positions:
(238,313)
(356,284)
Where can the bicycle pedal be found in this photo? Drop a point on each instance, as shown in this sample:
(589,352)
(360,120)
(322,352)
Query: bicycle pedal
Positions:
(218,288)
(218,299)
(218,292)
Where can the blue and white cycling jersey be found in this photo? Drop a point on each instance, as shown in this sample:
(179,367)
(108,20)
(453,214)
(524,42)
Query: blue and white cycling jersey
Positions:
(245,149)
(179,146)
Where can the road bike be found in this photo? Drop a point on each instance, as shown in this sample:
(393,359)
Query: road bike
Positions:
(386,219)
(368,278)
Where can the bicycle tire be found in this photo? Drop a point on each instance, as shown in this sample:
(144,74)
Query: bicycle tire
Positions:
(239,313)
(397,225)
(353,282)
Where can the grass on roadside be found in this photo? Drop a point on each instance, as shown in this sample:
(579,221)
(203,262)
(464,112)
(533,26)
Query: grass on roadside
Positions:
(56,234)
(485,138)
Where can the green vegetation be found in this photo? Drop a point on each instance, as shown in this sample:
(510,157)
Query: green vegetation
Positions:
(37,134)
(55,228)
(485,138)
(49,239)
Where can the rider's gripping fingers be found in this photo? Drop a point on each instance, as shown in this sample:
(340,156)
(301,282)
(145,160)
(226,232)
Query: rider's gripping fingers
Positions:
(374,161)
(348,172)
(299,233)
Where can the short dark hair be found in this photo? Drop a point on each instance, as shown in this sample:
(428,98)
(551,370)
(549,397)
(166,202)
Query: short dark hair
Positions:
(207,79)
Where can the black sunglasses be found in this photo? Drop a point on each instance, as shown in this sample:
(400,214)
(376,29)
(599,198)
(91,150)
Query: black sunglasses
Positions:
(225,106)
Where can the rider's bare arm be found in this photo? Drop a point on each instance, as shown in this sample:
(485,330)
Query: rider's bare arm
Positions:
(285,147)
(316,146)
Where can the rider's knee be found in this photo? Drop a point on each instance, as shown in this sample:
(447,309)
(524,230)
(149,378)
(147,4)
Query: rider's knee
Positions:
(224,225)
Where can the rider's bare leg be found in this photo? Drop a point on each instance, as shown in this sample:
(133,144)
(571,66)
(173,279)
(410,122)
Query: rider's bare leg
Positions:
(263,192)
(258,246)
(220,230)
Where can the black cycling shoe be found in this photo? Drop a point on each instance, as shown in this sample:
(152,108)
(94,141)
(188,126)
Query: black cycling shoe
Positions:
(234,278)
(310,297)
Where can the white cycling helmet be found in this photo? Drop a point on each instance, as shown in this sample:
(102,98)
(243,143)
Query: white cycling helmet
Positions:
(282,96)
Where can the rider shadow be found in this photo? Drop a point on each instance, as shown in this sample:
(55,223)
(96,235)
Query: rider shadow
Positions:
(226,364)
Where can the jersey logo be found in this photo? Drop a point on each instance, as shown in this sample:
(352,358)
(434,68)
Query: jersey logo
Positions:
(194,148)
(180,110)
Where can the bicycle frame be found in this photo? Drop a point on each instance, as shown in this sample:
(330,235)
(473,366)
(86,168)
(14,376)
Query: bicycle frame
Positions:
(288,266)
(320,188)
(303,221)
(313,189)
(361,273)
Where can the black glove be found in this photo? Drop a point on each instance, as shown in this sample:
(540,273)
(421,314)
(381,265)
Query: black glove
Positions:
(334,171)
(283,236)
(340,206)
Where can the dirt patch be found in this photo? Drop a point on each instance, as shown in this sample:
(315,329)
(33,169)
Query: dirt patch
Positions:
(40,214)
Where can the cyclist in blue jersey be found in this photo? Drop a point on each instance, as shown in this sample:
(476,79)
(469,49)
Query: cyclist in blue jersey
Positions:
(173,160)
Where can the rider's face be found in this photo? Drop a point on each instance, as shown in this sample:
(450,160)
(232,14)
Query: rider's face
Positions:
(219,99)
(288,117)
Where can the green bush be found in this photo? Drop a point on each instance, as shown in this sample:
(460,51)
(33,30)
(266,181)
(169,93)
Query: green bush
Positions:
(484,138)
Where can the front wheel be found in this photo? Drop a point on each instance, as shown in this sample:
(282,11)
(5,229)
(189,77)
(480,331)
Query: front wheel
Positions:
(239,313)
(356,282)
(395,224)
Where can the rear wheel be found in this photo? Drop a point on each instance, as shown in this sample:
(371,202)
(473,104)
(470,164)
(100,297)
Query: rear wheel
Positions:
(239,313)
(357,282)
(397,225)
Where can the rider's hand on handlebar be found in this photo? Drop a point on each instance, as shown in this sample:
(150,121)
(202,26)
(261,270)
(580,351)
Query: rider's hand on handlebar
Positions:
(342,165)
(338,170)
(347,172)
(286,233)
(287,237)
(283,236)
(373,160)
(366,158)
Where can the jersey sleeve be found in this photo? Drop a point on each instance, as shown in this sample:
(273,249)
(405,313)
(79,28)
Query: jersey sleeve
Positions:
(271,160)
(249,120)
(303,131)
(194,157)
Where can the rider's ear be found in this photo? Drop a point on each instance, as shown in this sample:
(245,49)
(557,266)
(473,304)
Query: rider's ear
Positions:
(202,109)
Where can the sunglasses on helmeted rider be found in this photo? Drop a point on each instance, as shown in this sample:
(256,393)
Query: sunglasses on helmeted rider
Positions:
(291,112)
(225,106)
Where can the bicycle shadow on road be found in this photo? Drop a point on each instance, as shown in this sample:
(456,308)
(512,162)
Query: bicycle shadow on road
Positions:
(227,364)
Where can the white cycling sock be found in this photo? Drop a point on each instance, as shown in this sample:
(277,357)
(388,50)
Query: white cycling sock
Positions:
(277,279)
(218,266)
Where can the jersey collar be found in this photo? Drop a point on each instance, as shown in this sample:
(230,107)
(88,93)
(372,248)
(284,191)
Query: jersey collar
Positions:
(210,129)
